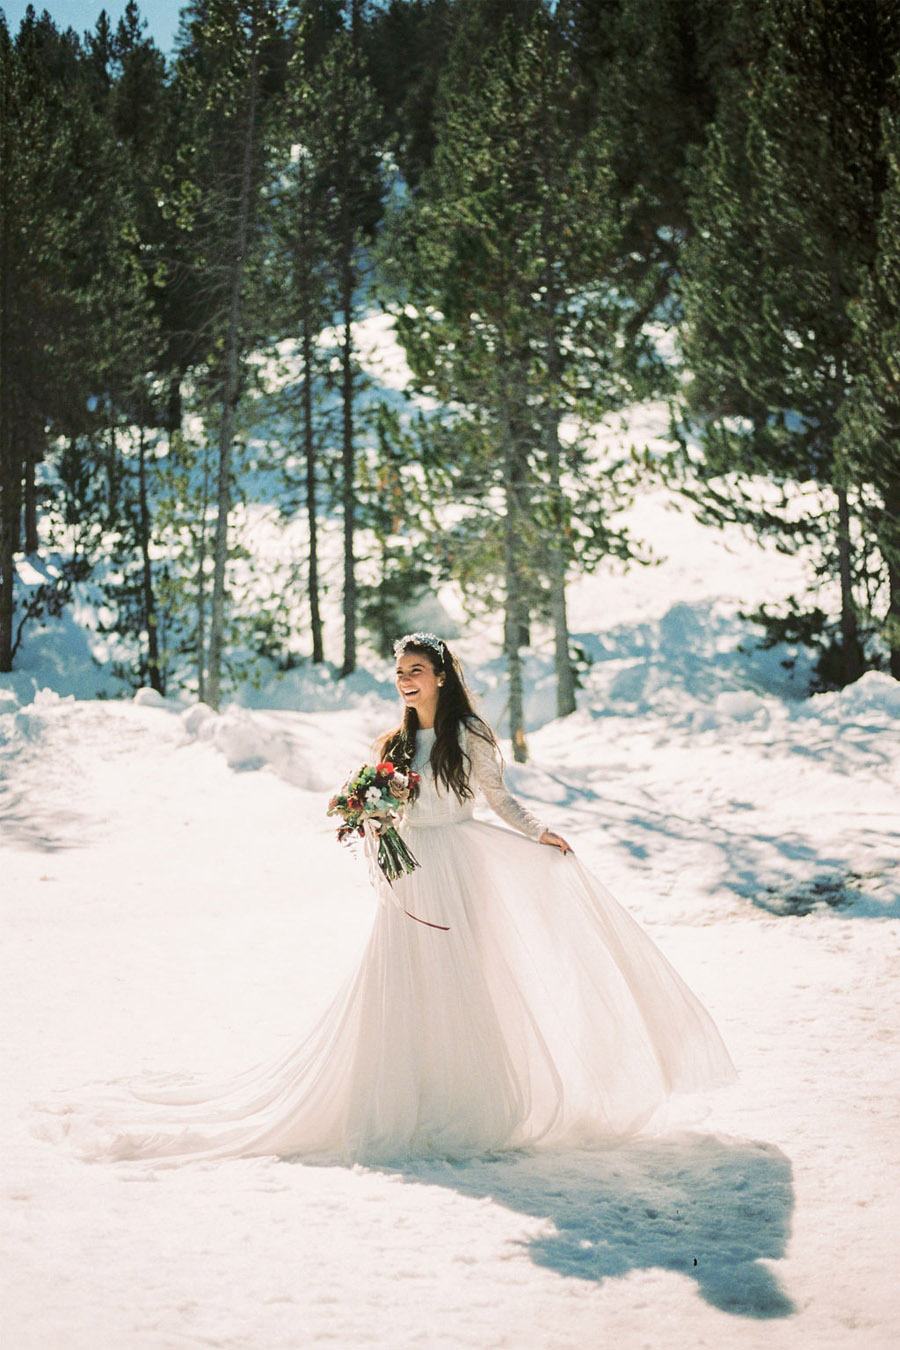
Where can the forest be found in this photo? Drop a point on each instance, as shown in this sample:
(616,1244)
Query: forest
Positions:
(561,209)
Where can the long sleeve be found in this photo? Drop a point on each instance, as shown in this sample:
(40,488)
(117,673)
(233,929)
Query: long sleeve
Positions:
(487,775)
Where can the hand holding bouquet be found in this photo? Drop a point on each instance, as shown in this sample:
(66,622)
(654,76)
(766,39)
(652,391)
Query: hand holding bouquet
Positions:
(370,803)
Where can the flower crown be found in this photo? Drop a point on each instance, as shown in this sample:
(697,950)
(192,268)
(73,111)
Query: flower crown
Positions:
(422,640)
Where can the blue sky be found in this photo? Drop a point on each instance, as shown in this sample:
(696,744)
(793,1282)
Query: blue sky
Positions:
(161,15)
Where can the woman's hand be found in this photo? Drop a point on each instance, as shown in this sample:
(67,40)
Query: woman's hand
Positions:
(548,837)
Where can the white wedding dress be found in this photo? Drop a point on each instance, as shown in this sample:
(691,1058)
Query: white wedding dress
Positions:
(543,1016)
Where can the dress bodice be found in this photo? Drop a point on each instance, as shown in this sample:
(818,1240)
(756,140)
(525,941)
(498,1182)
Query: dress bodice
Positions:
(434,804)
(438,805)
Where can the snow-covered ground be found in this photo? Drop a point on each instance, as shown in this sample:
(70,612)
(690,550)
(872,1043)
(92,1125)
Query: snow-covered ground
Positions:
(173,900)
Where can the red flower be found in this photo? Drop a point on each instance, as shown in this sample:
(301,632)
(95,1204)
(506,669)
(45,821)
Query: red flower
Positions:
(386,766)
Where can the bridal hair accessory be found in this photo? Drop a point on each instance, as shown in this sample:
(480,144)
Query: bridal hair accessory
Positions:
(423,640)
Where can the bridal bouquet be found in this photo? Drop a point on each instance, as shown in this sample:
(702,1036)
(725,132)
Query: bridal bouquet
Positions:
(370,803)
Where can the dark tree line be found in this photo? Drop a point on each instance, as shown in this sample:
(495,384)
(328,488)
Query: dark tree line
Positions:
(534,192)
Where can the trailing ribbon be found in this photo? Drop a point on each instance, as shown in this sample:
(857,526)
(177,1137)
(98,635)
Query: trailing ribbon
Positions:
(377,876)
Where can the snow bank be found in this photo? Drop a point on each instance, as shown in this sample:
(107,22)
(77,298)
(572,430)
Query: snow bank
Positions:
(741,705)
(149,698)
(314,752)
(874,695)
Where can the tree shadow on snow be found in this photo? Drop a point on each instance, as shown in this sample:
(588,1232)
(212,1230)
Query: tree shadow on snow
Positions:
(709,1208)
(813,879)
(27,823)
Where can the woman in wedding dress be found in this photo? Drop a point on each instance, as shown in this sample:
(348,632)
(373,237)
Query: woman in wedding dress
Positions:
(505,999)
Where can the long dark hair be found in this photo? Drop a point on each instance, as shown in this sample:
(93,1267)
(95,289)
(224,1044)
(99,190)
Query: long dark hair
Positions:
(454,708)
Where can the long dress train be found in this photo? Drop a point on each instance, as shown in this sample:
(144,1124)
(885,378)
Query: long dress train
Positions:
(543,1016)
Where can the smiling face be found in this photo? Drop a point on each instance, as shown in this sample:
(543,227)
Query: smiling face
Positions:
(418,684)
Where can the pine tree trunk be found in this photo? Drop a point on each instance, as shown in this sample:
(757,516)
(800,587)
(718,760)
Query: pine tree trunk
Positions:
(173,404)
(511,643)
(10,511)
(348,497)
(851,650)
(384,608)
(231,385)
(6,470)
(512,615)
(112,475)
(144,529)
(315,615)
(9,540)
(565,678)
(356,23)
(891,550)
(520,433)
(32,458)
(894,617)
(201,583)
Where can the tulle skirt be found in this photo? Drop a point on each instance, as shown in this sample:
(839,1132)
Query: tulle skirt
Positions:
(544,1016)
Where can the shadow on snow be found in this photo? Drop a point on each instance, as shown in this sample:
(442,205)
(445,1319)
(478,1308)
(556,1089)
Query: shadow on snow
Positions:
(712,1209)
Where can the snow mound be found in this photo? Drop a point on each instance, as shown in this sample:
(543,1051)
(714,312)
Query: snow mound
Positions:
(741,705)
(873,692)
(50,698)
(290,744)
(149,698)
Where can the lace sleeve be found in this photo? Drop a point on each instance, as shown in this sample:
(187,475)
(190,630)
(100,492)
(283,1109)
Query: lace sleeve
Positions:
(487,777)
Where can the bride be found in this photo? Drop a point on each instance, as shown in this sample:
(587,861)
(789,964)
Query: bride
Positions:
(504,1000)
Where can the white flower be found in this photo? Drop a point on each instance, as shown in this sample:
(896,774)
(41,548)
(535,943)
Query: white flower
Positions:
(373,794)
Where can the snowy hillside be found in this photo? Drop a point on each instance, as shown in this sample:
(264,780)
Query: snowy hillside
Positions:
(174,902)
(618,617)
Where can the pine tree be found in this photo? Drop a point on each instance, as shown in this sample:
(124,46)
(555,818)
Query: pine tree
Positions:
(303,291)
(228,65)
(785,202)
(509,255)
(406,43)
(402,569)
(73,306)
(349,151)
(130,75)
(9,460)
(651,68)
(869,443)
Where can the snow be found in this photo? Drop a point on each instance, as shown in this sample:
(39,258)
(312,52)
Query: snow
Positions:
(174,902)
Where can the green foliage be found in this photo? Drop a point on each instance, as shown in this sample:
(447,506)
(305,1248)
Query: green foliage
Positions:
(796,623)
(869,436)
(504,274)
(784,200)
(391,497)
